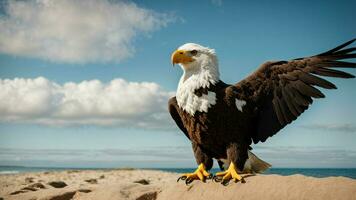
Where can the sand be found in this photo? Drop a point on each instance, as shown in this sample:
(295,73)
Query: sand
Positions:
(128,184)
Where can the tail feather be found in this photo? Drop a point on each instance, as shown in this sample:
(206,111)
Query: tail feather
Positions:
(252,165)
(255,164)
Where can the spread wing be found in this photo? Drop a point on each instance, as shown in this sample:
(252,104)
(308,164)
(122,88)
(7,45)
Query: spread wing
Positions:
(172,107)
(283,90)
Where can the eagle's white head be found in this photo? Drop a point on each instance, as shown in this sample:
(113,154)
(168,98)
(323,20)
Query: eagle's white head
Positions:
(201,70)
(194,59)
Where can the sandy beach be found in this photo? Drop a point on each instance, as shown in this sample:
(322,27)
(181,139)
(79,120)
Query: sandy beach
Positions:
(131,184)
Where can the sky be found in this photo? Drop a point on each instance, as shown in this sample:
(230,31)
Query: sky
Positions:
(86,83)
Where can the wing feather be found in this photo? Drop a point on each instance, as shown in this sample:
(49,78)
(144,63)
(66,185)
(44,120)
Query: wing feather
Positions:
(322,71)
(308,90)
(314,80)
(278,111)
(290,86)
(290,102)
(172,108)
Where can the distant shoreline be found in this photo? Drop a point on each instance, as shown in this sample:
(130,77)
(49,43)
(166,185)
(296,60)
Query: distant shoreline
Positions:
(313,172)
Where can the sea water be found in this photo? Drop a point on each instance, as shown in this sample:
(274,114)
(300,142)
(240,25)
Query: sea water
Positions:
(314,172)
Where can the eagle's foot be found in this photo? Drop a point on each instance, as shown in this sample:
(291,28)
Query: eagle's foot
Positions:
(226,176)
(199,174)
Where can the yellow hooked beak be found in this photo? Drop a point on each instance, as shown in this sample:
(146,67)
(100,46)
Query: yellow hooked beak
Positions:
(181,56)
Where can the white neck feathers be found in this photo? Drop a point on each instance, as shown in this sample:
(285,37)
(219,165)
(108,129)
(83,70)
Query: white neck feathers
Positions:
(196,77)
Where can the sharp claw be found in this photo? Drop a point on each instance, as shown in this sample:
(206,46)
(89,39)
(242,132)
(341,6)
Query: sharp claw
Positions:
(225,182)
(229,175)
(181,178)
(199,174)
(188,181)
(217,179)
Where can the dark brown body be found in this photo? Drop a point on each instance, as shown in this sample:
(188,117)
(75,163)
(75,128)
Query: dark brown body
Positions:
(276,94)
(208,131)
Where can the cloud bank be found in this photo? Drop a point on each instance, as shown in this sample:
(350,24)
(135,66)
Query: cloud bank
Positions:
(347,128)
(75,31)
(173,156)
(117,103)
(161,156)
(307,156)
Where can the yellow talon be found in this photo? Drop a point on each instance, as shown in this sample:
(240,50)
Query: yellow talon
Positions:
(229,174)
(199,174)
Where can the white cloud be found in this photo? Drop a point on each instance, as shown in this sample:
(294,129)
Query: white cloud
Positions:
(75,31)
(117,103)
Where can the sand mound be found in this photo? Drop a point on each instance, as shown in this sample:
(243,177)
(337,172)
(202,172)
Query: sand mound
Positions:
(156,185)
(267,187)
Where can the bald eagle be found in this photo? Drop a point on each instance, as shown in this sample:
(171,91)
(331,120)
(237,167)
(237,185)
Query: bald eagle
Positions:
(222,120)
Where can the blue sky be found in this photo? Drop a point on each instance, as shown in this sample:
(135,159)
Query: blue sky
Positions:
(88,87)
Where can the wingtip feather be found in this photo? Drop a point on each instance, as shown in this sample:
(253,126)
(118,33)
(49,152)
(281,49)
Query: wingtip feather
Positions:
(338,47)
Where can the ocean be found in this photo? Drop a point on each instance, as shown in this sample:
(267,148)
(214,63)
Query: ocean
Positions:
(315,172)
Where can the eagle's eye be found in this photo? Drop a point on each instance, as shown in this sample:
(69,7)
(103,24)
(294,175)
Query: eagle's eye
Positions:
(193,52)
